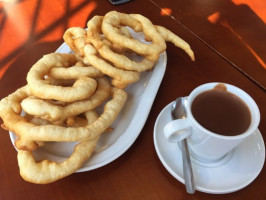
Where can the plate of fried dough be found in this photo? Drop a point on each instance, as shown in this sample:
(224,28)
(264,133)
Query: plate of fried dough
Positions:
(84,105)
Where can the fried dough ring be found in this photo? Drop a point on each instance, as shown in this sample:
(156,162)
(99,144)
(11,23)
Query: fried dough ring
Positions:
(82,88)
(74,72)
(138,23)
(119,60)
(53,113)
(121,77)
(10,110)
(58,133)
(48,171)
(24,129)
(45,171)
(95,31)
(74,37)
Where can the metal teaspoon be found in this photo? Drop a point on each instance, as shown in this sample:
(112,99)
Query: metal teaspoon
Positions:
(178,111)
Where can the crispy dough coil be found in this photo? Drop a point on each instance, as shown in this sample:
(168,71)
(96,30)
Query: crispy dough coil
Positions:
(24,129)
(138,23)
(81,89)
(119,60)
(45,171)
(53,112)
(48,171)
(122,78)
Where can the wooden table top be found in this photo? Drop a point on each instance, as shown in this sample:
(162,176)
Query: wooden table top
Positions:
(228,39)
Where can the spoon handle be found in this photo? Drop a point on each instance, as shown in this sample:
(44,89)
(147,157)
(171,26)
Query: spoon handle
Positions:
(187,168)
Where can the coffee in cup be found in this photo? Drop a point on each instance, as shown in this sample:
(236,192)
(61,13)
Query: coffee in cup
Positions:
(221,111)
(219,117)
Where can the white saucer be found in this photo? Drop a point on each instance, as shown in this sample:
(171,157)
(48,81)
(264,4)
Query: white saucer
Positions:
(244,166)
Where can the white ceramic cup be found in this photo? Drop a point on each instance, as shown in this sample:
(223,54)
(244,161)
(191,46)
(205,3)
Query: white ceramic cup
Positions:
(204,145)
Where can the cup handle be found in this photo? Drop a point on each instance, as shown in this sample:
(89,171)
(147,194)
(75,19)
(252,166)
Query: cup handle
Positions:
(177,130)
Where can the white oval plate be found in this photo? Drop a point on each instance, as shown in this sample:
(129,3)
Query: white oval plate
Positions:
(127,127)
(243,167)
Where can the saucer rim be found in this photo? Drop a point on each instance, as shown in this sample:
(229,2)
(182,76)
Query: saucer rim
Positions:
(179,177)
